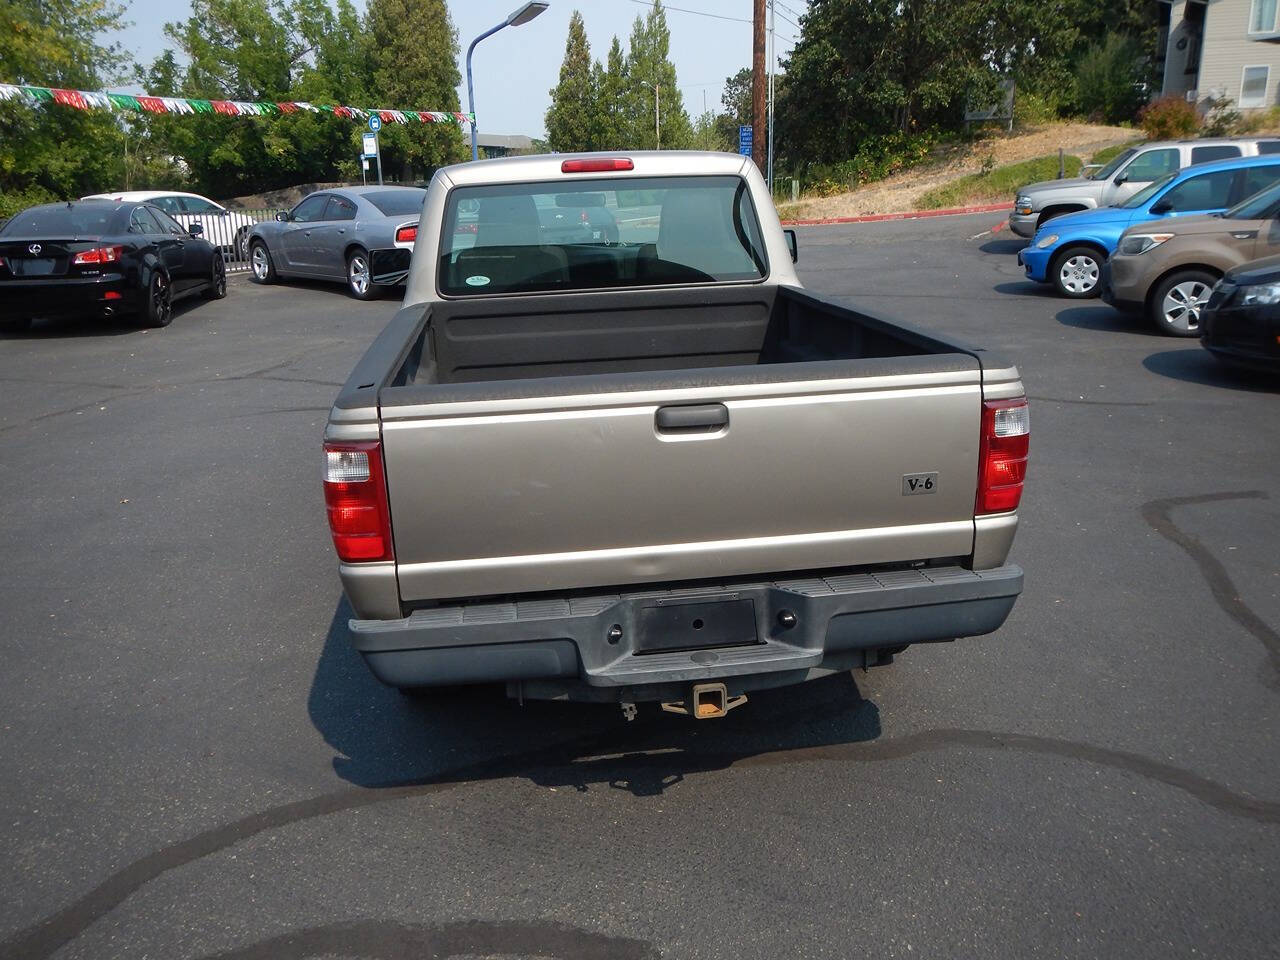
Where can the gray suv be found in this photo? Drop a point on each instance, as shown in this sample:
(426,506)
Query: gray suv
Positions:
(1126,174)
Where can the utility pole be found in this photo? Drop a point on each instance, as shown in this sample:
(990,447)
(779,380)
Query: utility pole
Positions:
(657,122)
(758,119)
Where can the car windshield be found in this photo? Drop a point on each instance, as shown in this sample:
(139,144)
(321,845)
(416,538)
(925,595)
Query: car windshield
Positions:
(1140,198)
(396,203)
(62,220)
(1257,207)
(519,238)
(1116,162)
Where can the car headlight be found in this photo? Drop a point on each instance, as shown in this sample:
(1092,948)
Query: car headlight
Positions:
(1257,295)
(1137,243)
(1048,241)
(1022,205)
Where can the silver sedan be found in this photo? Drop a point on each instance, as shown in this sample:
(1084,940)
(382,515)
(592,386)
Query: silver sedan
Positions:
(362,236)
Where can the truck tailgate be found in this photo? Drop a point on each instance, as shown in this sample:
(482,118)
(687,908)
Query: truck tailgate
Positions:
(766,468)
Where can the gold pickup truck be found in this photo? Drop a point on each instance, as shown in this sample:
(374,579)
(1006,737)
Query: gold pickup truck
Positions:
(641,463)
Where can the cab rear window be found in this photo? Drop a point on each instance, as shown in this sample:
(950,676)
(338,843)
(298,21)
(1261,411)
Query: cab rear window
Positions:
(599,233)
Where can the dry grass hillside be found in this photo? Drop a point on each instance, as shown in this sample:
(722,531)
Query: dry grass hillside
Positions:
(902,191)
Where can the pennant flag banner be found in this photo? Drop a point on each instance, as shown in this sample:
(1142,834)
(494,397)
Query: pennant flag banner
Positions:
(145,103)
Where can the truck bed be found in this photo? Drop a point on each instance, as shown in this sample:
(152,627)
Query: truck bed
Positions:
(515,430)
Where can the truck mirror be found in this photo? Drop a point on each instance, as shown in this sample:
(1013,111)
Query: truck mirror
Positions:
(282,216)
(1121,178)
(792,245)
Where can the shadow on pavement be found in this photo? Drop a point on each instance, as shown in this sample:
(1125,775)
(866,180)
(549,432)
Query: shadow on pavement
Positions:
(386,739)
(94,327)
(1108,319)
(1195,365)
(1003,245)
(1026,288)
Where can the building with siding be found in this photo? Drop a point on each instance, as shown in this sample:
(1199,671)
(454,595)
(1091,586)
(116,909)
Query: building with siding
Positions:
(1222,50)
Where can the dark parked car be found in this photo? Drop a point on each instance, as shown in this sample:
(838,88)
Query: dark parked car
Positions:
(578,218)
(1240,325)
(361,235)
(101,258)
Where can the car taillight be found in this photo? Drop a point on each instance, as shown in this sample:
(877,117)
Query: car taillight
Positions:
(99,255)
(407,234)
(355,497)
(597,165)
(1002,457)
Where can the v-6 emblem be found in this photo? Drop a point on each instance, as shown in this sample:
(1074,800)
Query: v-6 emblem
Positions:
(914,484)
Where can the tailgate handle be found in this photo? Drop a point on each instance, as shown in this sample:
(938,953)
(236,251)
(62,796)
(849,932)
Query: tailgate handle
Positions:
(703,416)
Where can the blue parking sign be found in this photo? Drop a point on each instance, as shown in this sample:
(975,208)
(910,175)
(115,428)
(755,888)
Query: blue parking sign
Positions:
(744,140)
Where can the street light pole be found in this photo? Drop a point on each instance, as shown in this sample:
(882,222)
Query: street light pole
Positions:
(517,18)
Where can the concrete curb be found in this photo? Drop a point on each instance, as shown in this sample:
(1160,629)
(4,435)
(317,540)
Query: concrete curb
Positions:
(905,215)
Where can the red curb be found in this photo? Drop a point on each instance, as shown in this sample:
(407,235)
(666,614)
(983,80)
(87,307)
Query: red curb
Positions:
(906,215)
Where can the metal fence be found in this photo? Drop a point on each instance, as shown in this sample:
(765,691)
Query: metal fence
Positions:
(230,233)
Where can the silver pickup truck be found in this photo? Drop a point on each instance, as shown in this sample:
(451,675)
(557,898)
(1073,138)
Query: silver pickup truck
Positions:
(645,464)
(1127,173)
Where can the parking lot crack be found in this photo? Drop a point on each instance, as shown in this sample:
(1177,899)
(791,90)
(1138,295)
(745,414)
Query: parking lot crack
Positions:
(1224,591)
(558,763)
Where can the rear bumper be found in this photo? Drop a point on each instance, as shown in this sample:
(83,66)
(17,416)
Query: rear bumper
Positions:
(66,297)
(635,643)
(390,266)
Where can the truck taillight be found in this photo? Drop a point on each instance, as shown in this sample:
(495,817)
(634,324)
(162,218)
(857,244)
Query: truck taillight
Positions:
(407,234)
(1002,458)
(99,255)
(355,497)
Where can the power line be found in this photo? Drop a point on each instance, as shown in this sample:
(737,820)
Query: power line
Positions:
(697,13)
(788,9)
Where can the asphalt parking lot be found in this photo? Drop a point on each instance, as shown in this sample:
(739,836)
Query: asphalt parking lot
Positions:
(197,766)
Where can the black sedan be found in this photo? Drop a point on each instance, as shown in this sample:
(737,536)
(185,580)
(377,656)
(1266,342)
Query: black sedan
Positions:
(102,258)
(1240,325)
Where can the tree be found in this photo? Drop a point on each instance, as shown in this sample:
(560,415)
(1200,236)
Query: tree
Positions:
(52,152)
(648,61)
(415,59)
(612,84)
(868,68)
(1109,79)
(573,119)
(736,101)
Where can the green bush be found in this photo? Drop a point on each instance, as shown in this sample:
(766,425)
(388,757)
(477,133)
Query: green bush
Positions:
(1033,110)
(1109,80)
(1222,120)
(875,159)
(1168,118)
(15,201)
(1000,183)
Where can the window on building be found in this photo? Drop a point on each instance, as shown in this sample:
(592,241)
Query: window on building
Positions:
(1262,19)
(1254,82)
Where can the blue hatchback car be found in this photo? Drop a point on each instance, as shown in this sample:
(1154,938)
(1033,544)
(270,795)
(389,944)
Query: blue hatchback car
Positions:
(1069,251)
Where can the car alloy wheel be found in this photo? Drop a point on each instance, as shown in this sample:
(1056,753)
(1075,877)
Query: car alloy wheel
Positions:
(161,301)
(1182,305)
(1078,274)
(358,274)
(261,265)
(218,281)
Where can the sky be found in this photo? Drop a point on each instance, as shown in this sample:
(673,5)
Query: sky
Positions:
(515,69)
